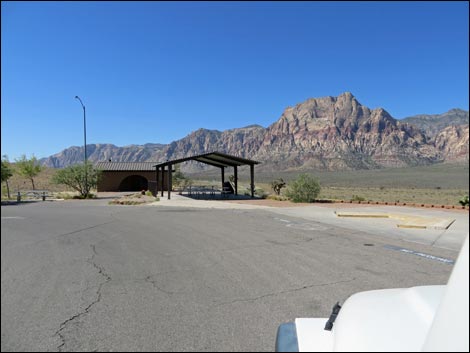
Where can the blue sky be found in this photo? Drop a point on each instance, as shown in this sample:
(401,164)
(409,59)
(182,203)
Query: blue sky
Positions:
(155,71)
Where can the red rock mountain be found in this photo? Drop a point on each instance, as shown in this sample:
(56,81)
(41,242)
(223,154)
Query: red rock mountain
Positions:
(329,133)
(339,133)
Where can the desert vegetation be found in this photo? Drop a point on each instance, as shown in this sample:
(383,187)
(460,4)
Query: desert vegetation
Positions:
(438,184)
(305,188)
(80,177)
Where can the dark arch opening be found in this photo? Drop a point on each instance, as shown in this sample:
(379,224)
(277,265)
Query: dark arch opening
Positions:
(134,183)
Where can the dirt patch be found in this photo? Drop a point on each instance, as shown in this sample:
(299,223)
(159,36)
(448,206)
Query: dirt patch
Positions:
(133,199)
(270,203)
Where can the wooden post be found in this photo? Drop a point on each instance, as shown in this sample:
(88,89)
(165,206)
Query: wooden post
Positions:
(163,178)
(156,181)
(235,174)
(252,177)
(170,177)
(222,171)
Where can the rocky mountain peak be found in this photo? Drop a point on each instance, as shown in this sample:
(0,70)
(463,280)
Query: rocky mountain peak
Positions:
(329,133)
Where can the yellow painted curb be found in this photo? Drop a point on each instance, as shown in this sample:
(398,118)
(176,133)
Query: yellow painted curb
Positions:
(365,215)
(410,226)
(417,222)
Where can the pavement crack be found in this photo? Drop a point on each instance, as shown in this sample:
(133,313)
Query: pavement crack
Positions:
(83,229)
(107,277)
(155,285)
(283,292)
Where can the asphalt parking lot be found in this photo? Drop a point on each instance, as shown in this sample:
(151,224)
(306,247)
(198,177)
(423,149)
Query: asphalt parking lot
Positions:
(88,276)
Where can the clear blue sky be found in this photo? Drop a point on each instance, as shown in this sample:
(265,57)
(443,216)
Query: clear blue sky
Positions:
(155,71)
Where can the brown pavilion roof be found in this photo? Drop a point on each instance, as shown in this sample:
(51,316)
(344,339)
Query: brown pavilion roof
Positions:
(216,159)
(126,166)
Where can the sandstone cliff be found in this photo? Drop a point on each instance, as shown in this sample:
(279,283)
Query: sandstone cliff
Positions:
(328,133)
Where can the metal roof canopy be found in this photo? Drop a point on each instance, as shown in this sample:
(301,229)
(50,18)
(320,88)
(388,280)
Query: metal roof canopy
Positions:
(126,166)
(215,159)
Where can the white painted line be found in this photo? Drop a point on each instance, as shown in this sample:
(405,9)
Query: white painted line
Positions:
(427,256)
(282,220)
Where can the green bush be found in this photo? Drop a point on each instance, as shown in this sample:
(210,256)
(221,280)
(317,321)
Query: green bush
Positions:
(80,177)
(305,188)
(464,201)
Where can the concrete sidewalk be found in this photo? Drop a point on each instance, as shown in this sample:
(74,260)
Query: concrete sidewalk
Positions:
(443,228)
(451,238)
(403,220)
(184,201)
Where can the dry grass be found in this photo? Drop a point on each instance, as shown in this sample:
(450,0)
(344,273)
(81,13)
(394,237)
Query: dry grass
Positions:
(41,182)
(439,184)
(412,195)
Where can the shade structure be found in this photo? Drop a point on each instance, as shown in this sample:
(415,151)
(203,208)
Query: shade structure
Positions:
(215,159)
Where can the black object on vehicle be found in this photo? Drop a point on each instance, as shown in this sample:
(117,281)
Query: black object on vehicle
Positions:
(334,314)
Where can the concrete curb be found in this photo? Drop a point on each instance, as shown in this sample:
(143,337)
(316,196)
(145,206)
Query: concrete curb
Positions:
(417,222)
(410,204)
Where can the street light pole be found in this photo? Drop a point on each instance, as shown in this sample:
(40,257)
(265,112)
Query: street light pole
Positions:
(84,134)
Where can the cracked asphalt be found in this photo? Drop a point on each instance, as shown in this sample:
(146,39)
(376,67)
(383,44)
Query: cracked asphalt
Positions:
(87,276)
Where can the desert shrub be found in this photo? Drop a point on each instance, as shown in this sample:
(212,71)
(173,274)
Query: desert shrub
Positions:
(80,177)
(277,185)
(357,198)
(277,197)
(305,188)
(124,202)
(82,197)
(464,201)
(64,195)
(260,193)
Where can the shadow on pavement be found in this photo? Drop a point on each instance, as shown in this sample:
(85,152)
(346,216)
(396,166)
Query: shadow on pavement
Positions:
(15,203)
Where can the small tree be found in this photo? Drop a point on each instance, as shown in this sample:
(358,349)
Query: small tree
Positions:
(277,185)
(305,188)
(75,176)
(7,172)
(28,168)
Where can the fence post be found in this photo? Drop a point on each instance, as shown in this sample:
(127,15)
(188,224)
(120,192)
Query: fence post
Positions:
(44,196)
(18,197)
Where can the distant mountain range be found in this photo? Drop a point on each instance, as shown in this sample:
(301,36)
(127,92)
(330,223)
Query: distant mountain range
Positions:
(328,133)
